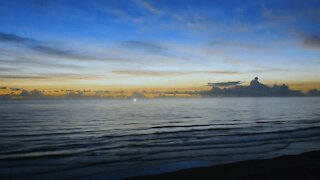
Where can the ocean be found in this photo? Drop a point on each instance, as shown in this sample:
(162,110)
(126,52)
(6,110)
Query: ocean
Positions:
(114,139)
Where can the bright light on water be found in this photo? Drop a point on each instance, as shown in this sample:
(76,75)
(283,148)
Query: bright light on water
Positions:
(134,100)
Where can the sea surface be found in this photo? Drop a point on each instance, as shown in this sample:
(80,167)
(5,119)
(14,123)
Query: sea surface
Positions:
(114,139)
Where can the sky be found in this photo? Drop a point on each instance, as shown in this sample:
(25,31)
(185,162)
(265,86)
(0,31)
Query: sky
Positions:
(125,44)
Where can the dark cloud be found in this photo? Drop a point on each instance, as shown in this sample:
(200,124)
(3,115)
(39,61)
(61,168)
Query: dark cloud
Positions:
(4,37)
(147,46)
(15,89)
(254,89)
(42,47)
(311,41)
(225,84)
(306,39)
(31,94)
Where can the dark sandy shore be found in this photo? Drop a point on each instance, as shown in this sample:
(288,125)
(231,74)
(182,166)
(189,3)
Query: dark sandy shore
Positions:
(305,166)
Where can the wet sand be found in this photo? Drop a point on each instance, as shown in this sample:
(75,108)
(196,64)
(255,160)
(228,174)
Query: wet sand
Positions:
(304,166)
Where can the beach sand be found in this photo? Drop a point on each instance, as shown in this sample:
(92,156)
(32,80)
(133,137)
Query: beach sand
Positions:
(304,166)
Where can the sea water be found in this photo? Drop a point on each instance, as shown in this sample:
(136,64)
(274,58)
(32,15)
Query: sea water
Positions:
(121,138)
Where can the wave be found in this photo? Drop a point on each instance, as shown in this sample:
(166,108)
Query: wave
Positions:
(208,143)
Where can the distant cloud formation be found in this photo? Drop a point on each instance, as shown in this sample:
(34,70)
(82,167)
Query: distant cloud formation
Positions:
(15,89)
(31,94)
(255,89)
(220,89)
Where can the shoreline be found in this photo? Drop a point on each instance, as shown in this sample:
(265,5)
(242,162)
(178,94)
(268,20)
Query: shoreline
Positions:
(303,166)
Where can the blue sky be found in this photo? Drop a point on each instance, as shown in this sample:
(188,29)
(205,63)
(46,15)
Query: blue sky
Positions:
(143,43)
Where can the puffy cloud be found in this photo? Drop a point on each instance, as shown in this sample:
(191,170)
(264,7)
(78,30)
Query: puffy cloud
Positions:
(32,94)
